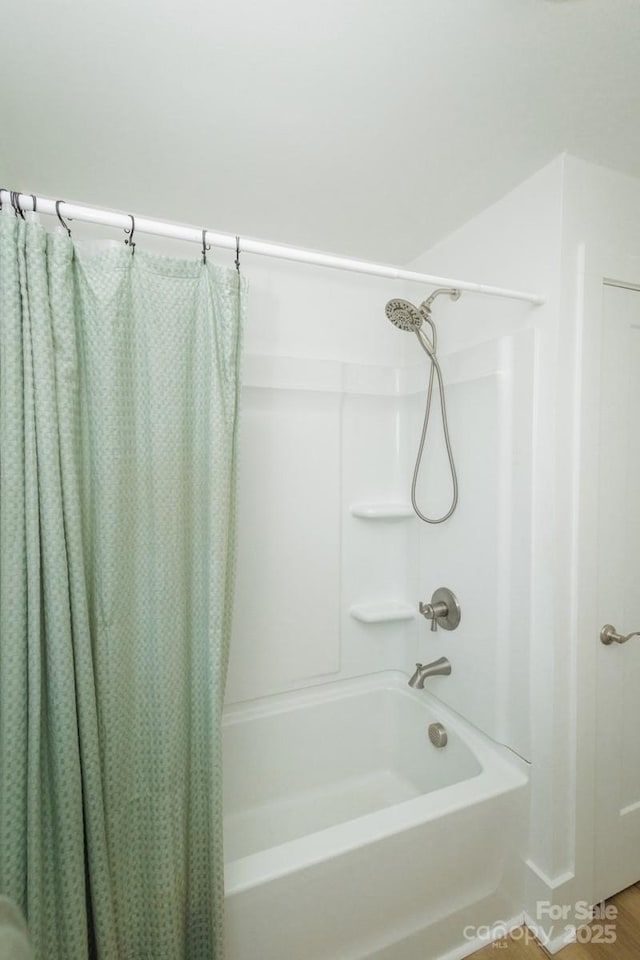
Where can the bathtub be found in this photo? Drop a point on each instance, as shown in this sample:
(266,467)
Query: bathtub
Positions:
(348,835)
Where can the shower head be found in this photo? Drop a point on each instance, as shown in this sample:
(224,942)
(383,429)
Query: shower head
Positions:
(407,317)
(404,315)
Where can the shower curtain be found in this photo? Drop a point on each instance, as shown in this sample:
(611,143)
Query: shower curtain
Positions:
(118,419)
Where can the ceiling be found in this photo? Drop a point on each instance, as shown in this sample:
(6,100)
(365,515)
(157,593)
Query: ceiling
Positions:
(367,127)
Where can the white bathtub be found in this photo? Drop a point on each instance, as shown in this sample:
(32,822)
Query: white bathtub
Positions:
(348,835)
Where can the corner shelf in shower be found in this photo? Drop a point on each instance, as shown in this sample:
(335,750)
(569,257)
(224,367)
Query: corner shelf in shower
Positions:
(388,611)
(382,511)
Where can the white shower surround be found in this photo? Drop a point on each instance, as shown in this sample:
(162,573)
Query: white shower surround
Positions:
(348,834)
(329,447)
(331,408)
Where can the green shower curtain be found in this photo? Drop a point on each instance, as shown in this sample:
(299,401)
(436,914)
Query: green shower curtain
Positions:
(118,418)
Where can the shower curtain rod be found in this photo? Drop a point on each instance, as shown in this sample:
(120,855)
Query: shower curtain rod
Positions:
(278,251)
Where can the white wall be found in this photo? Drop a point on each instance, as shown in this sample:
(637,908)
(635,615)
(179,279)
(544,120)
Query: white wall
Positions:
(495,551)
(332,406)
(600,239)
(6,175)
(557,234)
(323,426)
(513,668)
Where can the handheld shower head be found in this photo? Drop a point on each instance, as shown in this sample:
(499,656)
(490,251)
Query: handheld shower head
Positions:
(404,315)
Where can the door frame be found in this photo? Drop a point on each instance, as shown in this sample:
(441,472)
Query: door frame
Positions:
(597,267)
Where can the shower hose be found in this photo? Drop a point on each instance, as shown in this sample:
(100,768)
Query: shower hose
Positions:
(429,348)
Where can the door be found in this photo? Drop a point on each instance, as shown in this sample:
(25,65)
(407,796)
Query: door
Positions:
(617,833)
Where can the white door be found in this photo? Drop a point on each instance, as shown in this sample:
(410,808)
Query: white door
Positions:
(617,833)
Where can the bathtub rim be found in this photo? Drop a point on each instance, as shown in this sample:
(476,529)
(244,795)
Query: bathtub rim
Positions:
(501,772)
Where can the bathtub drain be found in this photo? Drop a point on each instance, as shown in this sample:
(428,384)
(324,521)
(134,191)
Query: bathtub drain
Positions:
(438,735)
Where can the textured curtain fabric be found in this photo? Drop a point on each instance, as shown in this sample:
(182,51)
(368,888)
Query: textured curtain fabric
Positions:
(118,415)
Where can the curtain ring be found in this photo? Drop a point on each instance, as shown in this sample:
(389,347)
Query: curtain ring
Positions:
(129,241)
(6,191)
(35,203)
(205,246)
(59,216)
(15,203)
(237,261)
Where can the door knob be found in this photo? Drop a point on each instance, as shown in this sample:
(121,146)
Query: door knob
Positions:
(609,634)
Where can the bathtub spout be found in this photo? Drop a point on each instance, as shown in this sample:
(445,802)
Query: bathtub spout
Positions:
(439,668)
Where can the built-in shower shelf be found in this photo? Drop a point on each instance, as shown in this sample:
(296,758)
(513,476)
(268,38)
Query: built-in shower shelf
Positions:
(382,511)
(383,612)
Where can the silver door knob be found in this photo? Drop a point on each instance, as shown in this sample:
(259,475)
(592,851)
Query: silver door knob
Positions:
(609,634)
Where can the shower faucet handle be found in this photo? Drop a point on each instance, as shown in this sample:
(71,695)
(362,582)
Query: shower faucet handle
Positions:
(433,611)
(443,610)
